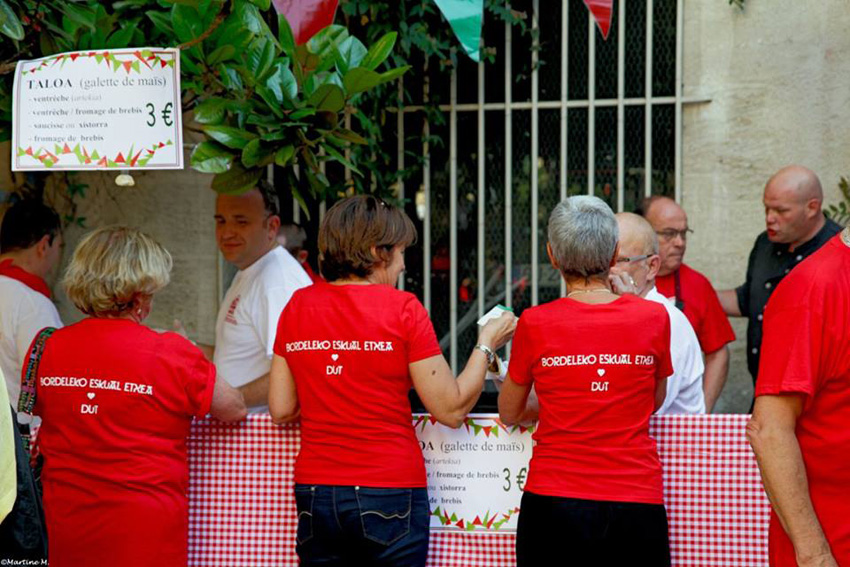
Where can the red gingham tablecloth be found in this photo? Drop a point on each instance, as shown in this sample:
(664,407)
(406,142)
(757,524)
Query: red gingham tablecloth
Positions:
(242,510)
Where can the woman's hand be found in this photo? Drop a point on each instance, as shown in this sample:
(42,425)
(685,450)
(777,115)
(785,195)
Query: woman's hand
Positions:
(498,331)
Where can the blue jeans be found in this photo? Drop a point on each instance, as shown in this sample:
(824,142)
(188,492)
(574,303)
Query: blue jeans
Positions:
(356,525)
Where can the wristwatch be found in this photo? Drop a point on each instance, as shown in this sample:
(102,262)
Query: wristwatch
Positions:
(491,356)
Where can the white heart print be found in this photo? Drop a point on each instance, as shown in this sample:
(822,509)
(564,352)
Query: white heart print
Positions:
(600,371)
(334,357)
(90,395)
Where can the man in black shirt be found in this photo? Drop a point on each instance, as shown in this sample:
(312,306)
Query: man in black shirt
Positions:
(796,227)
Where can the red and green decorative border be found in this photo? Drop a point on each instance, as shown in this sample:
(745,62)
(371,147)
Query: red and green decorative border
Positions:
(86,157)
(132,63)
(488,522)
(470,424)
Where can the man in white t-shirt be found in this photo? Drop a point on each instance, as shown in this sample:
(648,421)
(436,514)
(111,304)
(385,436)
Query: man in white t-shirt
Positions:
(30,246)
(246,233)
(639,261)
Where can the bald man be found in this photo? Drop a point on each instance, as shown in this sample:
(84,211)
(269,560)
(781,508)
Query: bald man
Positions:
(796,227)
(639,259)
(691,292)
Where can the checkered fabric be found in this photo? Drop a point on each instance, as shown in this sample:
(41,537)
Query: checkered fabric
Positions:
(716,506)
(241,502)
(242,509)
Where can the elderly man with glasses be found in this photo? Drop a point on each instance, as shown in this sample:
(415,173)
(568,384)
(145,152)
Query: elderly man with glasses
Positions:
(690,291)
(638,264)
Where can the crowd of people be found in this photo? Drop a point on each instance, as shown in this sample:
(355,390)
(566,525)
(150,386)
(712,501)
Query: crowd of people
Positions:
(339,352)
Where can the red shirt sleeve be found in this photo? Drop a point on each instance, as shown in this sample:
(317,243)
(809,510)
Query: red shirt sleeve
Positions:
(421,338)
(713,329)
(522,356)
(196,373)
(664,367)
(791,358)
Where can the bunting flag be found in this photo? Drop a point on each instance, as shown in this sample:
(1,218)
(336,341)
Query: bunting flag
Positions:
(601,10)
(306,17)
(465,18)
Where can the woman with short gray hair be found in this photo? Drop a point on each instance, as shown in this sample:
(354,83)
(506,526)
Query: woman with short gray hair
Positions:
(599,363)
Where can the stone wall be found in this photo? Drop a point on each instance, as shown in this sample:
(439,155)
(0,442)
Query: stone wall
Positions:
(778,79)
(176,208)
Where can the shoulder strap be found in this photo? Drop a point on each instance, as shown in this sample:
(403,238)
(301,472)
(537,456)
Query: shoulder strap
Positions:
(26,403)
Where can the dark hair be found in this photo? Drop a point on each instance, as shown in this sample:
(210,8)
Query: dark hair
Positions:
(25,223)
(352,227)
(271,201)
(295,236)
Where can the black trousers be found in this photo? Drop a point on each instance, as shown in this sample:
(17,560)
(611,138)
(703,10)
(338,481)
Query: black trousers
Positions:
(559,532)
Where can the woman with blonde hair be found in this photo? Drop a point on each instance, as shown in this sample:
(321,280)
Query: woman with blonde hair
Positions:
(117,399)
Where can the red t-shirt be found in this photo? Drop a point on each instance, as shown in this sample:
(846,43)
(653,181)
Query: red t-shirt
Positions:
(348,348)
(116,400)
(595,369)
(702,307)
(806,350)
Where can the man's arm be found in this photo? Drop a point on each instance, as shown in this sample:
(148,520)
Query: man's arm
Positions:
(208,350)
(714,378)
(729,300)
(227,403)
(771,433)
(256,392)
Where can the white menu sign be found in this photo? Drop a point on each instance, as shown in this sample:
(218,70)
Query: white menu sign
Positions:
(103,109)
(475,473)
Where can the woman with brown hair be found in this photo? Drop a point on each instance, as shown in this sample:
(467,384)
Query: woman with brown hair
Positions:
(346,355)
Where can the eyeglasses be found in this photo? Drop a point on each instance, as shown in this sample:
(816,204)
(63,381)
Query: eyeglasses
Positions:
(671,233)
(627,259)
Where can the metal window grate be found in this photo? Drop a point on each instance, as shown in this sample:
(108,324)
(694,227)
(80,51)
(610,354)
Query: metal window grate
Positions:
(559,112)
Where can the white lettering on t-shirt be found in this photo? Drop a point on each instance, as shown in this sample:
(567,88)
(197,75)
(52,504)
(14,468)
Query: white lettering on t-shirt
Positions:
(593,359)
(341,345)
(297,346)
(95,383)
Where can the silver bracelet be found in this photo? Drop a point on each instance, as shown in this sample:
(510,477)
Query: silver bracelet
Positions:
(491,356)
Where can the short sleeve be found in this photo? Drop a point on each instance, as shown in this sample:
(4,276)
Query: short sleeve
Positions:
(196,373)
(664,364)
(522,356)
(743,291)
(791,347)
(421,338)
(267,317)
(39,315)
(283,325)
(715,331)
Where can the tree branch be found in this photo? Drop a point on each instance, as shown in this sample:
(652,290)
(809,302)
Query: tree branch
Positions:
(217,22)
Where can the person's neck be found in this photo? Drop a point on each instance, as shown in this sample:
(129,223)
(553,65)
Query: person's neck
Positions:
(25,260)
(589,290)
(648,286)
(809,235)
(273,245)
(355,280)
(663,273)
